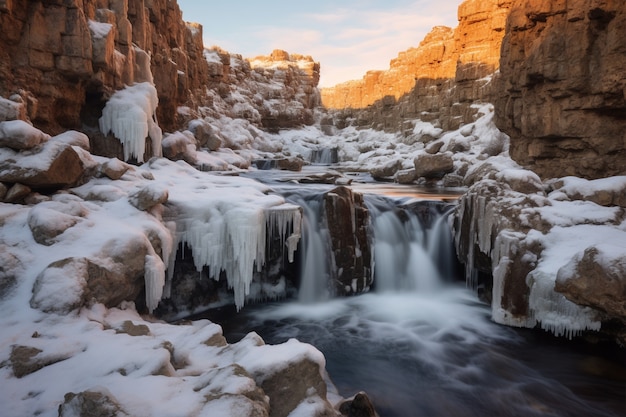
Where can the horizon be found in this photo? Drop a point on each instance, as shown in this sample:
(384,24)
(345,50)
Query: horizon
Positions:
(347,41)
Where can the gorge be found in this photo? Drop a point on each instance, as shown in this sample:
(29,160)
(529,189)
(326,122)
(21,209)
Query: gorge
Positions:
(135,194)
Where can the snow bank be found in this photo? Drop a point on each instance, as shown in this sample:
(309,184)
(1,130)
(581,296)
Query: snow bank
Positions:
(130,114)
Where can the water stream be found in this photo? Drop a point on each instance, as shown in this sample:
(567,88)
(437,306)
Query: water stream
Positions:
(420,343)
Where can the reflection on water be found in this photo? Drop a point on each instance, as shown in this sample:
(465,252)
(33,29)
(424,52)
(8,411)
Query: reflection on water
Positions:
(438,354)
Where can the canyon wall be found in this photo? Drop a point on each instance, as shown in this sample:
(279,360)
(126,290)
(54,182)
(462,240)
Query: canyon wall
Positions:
(436,82)
(561,94)
(61,61)
(64,59)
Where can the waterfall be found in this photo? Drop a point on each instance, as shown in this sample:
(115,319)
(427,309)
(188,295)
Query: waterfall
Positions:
(315,247)
(325,156)
(412,245)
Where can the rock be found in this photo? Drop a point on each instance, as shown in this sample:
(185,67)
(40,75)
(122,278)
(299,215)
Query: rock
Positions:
(406,176)
(99,402)
(115,275)
(433,166)
(290,164)
(10,268)
(17,193)
(48,220)
(434,147)
(114,168)
(3,191)
(358,406)
(23,360)
(348,219)
(291,385)
(148,196)
(132,329)
(596,278)
(563,106)
(205,135)
(17,134)
(386,171)
(55,165)
(180,145)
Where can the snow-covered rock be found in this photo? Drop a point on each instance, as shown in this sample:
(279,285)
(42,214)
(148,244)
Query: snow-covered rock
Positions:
(17,134)
(523,241)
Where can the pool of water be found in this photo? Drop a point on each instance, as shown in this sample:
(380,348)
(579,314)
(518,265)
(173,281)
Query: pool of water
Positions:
(438,354)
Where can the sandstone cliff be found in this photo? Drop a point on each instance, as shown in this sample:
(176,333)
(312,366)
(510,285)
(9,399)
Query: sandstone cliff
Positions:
(437,81)
(562,90)
(65,58)
(61,61)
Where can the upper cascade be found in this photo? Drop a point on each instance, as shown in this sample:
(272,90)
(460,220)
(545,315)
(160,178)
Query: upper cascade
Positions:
(469,52)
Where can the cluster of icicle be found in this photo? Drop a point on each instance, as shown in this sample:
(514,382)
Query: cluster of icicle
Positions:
(234,241)
(130,114)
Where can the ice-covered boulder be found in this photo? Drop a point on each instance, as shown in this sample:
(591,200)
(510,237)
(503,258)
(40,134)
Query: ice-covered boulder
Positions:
(149,196)
(542,260)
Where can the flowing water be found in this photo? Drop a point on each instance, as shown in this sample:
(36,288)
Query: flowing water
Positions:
(420,343)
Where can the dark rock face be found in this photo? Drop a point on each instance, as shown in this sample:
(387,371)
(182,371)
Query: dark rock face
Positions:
(560,94)
(348,223)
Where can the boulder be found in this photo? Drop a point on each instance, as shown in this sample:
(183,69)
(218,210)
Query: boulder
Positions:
(596,278)
(97,402)
(387,170)
(46,222)
(17,193)
(348,221)
(290,164)
(114,168)
(54,165)
(148,196)
(433,166)
(293,384)
(18,135)
(358,406)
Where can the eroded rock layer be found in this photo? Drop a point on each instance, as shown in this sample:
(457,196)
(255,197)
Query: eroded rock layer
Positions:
(562,90)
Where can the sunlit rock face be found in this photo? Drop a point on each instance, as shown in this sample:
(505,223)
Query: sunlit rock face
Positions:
(561,88)
(436,82)
(64,59)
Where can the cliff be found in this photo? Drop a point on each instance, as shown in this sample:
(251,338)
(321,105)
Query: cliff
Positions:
(562,89)
(61,61)
(436,82)
(64,59)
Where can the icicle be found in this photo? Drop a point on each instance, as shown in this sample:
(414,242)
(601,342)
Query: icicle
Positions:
(130,114)
(554,312)
(280,218)
(154,280)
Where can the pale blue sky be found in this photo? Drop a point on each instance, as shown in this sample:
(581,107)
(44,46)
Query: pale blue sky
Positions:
(348,38)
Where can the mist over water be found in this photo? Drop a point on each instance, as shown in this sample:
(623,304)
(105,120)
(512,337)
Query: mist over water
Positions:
(420,343)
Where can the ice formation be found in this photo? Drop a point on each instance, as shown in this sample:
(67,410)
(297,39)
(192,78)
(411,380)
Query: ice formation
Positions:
(130,114)
(233,240)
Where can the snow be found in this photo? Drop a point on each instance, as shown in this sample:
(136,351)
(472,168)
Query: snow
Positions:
(99,30)
(130,114)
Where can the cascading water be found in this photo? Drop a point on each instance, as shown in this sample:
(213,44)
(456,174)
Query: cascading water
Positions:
(420,344)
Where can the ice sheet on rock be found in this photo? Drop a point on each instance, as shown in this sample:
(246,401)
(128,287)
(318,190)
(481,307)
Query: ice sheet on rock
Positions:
(130,114)
(224,220)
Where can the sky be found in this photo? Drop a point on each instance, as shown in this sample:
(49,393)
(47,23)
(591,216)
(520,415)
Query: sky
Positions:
(348,38)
